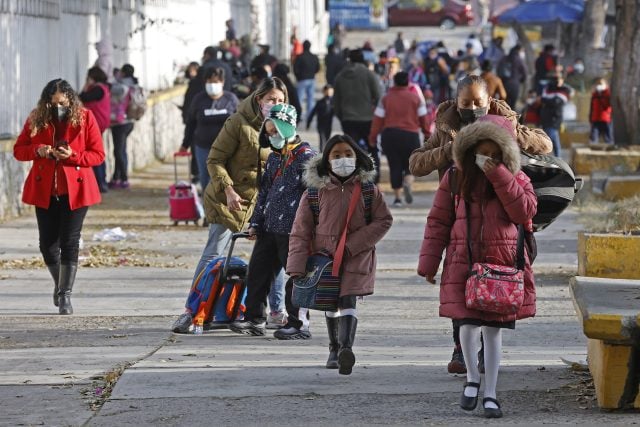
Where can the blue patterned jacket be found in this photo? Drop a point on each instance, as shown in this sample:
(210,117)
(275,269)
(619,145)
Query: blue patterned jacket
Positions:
(280,192)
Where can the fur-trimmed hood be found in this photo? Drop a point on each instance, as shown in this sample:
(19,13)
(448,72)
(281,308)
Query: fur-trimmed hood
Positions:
(469,136)
(313,179)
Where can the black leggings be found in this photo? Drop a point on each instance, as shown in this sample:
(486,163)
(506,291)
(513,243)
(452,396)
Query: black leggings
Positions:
(398,145)
(60,229)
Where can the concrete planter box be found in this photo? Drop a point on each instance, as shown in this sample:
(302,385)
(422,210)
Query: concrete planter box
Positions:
(608,255)
(585,160)
(610,317)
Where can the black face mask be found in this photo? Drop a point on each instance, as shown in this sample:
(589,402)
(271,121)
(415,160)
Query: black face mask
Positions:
(470,115)
(60,113)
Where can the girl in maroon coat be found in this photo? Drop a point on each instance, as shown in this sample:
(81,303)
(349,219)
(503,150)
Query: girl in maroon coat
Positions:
(335,173)
(489,185)
(63,140)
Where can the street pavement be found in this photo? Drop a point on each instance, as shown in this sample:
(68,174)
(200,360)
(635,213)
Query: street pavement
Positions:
(115,361)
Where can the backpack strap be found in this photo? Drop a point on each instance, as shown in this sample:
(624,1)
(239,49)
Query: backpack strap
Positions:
(367,196)
(313,196)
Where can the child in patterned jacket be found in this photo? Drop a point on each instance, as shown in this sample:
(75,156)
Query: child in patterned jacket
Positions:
(281,187)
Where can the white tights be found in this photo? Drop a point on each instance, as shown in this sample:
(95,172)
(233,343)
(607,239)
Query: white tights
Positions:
(470,341)
(342,312)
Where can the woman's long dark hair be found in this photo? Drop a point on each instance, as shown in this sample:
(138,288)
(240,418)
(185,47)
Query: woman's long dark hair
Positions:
(363,161)
(41,116)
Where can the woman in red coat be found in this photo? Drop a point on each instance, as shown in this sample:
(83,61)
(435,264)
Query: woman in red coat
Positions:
(499,196)
(63,140)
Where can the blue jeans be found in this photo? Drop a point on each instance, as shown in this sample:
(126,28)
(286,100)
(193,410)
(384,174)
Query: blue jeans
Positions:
(554,135)
(219,238)
(307,88)
(276,293)
(201,154)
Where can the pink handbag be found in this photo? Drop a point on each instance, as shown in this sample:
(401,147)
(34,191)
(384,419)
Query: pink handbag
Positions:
(495,288)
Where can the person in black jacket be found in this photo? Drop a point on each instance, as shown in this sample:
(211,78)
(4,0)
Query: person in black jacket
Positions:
(554,97)
(513,72)
(305,68)
(324,110)
(334,62)
(207,114)
(196,85)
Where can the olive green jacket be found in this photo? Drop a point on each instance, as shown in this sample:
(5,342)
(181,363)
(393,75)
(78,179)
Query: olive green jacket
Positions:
(233,160)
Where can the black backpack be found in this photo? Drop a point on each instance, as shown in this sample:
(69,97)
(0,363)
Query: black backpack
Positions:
(554,183)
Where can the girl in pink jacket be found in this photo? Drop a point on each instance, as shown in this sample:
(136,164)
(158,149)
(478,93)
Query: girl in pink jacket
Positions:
(487,178)
(335,173)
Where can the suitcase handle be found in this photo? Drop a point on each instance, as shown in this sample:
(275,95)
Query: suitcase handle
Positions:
(175,163)
(234,237)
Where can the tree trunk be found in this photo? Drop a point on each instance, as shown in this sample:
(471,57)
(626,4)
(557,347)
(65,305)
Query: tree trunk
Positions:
(589,40)
(625,82)
(530,55)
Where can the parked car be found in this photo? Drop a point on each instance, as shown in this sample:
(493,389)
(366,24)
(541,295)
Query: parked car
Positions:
(445,13)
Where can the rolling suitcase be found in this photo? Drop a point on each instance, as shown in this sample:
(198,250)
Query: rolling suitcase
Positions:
(183,196)
(218,293)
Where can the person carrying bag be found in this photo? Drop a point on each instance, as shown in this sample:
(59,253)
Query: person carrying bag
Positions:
(341,176)
(498,200)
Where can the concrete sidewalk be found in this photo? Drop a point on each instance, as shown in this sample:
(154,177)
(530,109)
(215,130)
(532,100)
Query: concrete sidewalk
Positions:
(115,362)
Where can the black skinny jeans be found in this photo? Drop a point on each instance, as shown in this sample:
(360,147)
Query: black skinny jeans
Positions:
(119,133)
(269,256)
(60,229)
(398,145)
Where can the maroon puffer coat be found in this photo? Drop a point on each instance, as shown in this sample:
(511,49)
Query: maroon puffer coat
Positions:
(493,226)
(359,262)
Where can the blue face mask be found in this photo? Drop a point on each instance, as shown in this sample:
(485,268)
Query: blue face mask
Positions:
(277,141)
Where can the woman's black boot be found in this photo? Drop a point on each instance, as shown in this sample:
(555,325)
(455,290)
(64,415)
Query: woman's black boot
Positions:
(334,345)
(54,269)
(346,336)
(67,277)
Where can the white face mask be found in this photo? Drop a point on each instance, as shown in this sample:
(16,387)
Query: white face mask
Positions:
(600,88)
(343,167)
(481,160)
(213,89)
(522,55)
(579,68)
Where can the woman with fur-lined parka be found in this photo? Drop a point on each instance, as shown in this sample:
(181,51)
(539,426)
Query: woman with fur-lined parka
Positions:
(499,197)
(335,174)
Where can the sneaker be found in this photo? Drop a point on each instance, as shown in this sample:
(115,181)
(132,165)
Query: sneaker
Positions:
(181,326)
(457,366)
(291,333)
(114,184)
(247,327)
(397,203)
(124,185)
(276,320)
(408,196)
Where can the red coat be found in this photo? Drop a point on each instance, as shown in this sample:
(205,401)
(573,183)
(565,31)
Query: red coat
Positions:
(494,232)
(600,106)
(86,143)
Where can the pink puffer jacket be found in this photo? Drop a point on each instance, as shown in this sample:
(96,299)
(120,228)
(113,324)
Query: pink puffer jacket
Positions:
(493,227)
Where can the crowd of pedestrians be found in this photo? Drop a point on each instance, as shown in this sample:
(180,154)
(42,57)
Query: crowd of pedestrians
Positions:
(421,107)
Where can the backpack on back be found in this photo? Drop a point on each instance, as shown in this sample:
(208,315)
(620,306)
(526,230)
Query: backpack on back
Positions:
(137,103)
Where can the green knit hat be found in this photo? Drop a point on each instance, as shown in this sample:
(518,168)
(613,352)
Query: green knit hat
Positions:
(284,117)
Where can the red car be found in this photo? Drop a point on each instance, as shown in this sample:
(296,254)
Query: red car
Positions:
(445,13)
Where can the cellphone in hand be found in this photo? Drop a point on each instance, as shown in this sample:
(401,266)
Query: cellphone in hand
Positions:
(62,143)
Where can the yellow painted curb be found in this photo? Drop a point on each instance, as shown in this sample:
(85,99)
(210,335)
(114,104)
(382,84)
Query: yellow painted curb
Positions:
(608,255)
(585,160)
(608,366)
(622,187)
(568,138)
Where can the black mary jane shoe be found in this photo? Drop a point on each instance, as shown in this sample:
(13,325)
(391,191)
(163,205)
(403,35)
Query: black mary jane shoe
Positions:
(491,412)
(469,403)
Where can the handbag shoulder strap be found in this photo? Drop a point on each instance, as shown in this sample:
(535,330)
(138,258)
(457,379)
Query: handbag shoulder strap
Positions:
(337,258)
(519,246)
